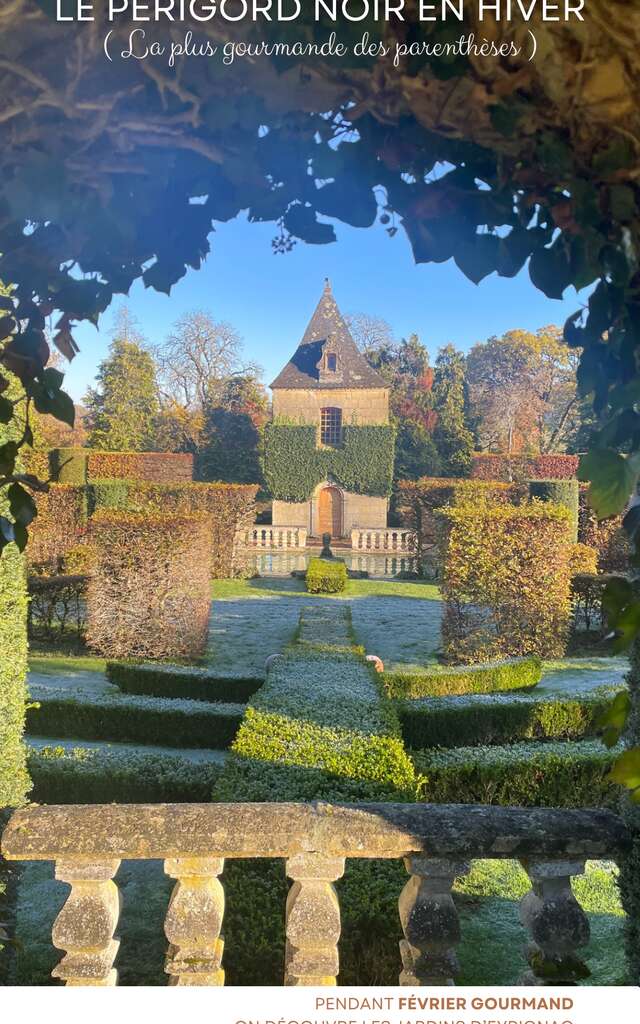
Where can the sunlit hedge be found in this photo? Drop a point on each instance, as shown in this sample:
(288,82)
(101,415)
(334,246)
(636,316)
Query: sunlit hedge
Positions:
(325,577)
(506,581)
(510,674)
(149,592)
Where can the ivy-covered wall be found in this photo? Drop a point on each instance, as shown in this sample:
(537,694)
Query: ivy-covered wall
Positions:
(293,466)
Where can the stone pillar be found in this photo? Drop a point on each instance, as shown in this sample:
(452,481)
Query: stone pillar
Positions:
(313,920)
(429,921)
(194,921)
(556,922)
(84,927)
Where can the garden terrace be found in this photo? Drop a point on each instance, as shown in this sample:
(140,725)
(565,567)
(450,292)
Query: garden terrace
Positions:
(88,843)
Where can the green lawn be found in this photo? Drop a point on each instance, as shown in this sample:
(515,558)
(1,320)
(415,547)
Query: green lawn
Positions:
(65,664)
(275,586)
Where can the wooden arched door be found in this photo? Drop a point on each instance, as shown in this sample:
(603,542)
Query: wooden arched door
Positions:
(330,511)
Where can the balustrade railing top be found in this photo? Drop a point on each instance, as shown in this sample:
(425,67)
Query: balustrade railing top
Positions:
(436,841)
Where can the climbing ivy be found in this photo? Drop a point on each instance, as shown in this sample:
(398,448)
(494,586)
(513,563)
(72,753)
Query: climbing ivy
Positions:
(294,465)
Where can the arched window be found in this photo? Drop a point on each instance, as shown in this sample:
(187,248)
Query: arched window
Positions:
(331,426)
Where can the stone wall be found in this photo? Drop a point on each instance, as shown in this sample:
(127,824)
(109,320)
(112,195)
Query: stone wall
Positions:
(359,406)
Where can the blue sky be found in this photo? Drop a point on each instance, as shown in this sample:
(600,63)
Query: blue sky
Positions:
(269,299)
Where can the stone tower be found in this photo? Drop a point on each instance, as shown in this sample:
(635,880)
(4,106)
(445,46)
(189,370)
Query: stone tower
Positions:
(328,385)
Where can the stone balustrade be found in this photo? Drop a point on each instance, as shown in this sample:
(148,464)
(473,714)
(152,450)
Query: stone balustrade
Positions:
(283,538)
(384,540)
(436,842)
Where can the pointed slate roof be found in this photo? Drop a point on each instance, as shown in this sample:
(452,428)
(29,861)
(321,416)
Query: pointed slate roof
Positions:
(327,329)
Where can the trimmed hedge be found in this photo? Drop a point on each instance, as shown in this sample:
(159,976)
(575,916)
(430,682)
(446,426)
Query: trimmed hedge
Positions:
(318,730)
(480,721)
(154,467)
(417,504)
(256,890)
(129,719)
(59,526)
(86,776)
(506,581)
(607,536)
(559,492)
(294,465)
(630,864)
(79,465)
(512,674)
(325,577)
(487,466)
(231,507)
(321,709)
(149,594)
(14,780)
(180,681)
(69,466)
(525,775)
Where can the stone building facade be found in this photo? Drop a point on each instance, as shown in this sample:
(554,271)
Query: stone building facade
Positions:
(329,384)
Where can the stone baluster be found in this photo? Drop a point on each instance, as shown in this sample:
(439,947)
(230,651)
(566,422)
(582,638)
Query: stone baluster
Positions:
(429,921)
(556,922)
(194,920)
(85,926)
(313,920)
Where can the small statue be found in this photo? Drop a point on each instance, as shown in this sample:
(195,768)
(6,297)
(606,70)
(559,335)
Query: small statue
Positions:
(326,547)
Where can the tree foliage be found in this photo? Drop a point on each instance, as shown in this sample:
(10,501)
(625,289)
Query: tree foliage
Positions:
(122,409)
(232,433)
(524,392)
(453,436)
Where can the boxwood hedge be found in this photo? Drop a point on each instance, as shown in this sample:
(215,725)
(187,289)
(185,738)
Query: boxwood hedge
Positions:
(322,710)
(86,776)
(319,729)
(326,577)
(524,774)
(492,719)
(185,681)
(511,674)
(172,723)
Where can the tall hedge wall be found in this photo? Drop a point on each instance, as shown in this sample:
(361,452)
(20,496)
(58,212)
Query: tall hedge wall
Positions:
(488,466)
(293,465)
(417,503)
(14,780)
(560,492)
(149,591)
(79,465)
(506,581)
(231,508)
(63,514)
(59,526)
(607,536)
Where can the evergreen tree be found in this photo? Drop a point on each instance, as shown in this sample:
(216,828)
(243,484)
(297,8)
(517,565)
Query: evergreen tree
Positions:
(404,366)
(452,436)
(122,410)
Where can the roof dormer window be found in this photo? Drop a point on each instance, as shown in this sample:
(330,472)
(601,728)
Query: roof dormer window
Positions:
(332,362)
